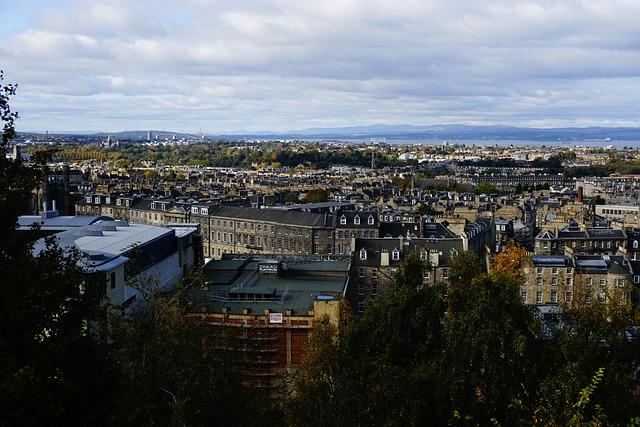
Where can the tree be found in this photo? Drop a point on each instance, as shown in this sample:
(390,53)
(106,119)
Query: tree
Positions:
(425,209)
(317,195)
(375,371)
(52,367)
(512,260)
(485,187)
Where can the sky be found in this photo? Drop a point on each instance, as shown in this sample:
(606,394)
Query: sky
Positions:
(221,66)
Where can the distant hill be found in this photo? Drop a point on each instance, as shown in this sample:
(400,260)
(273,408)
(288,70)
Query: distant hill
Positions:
(402,132)
(454,131)
(141,135)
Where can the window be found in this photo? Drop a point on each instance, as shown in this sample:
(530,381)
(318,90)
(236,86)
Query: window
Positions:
(118,202)
(635,244)
(554,296)
(395,255)
(361,272)
(96,200)
(554,270)
(88,199)
(343,220)
(153,205)
(568,296)
(360,287)
(539,281)
(603,282)
(445,273)
(164,206)
(569,270)
(554,281)
(602,296)
(356,220)
(569,281)
(113,280)
(523,296)
(371,220)
(588,281)
(203,211)
(539,270)
(538,297)
(360,306)
(363,254)
(636,279)
(423,255)
(374,287)
(194,210)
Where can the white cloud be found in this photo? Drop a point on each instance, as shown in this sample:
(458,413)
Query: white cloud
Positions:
(225,65)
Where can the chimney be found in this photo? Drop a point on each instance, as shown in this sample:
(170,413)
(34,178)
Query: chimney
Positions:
(45,206)
(54,205)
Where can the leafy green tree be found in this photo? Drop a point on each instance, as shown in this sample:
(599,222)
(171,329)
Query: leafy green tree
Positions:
(375,370)
(485,188)
(425,209)
(488,340)
(53,370)
(317,195)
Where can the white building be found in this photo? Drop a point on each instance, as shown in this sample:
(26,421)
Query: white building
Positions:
(129,255)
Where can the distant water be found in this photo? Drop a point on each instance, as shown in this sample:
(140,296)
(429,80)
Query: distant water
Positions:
(497,142)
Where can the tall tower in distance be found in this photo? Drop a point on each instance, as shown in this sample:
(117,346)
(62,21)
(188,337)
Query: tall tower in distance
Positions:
(149,136)
(373,160)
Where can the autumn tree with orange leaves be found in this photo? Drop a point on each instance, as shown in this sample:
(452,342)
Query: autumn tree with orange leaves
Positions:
(512,260)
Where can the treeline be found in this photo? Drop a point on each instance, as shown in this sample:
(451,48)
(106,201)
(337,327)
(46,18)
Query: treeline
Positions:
(225,154)
(469,354)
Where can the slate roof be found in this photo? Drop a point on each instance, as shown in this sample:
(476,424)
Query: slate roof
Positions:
(277,216)
(296,288)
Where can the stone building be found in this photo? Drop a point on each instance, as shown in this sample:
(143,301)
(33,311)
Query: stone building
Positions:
(578,240)
(351,224)
(374,261)
(561,279)
(273,231)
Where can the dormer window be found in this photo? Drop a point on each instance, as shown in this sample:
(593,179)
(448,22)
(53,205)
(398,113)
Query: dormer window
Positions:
(423,255)
(356,220)
(194,210)
(119,202)
(635,244)
(108,201)
(96,200)
(203,211)
(153,205)
(343,220)
(88,199)
(363,254)
(127,202)
(164,206)
(371,220)
(395,254)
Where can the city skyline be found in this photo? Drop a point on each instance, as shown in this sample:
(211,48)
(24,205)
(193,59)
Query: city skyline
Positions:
(222,67)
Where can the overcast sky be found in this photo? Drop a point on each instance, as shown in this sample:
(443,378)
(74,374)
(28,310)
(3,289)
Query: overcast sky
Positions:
(221,66)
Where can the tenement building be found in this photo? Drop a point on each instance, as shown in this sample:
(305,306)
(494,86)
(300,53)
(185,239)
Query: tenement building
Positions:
(374,261)
(561,279)
(574,239)
(272,231)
